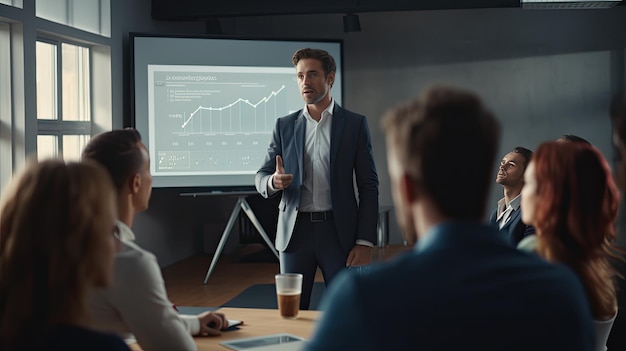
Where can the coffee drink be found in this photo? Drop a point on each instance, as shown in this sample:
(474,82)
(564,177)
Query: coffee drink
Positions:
(289,303)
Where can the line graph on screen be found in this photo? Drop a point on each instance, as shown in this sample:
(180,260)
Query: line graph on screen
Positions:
(212,119)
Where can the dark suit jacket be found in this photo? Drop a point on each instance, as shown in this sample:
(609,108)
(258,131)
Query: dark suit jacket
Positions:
(350,153)
(462,288)
(515,230)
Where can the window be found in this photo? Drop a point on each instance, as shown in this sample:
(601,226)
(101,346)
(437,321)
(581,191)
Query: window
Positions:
(51,101)
(63,99)
(6,165)
(15,3)
(89,15)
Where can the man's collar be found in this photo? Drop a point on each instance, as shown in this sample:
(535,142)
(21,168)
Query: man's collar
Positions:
(515,202)
(501,205)
(454,230)
(124,232)
(328,110)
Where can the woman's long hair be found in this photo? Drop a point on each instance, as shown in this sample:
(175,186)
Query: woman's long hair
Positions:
(56,225)
(577,203)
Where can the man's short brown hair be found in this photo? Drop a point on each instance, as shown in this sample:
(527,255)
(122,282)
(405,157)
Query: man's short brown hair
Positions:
(119,152)
(328,62)
(446,140)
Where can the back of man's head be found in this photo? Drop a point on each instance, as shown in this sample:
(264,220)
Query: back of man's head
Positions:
(446,140)
(119,151)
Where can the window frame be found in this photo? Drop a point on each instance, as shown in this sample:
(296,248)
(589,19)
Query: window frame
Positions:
(6,125)
(20,127)
(13,3)
(60,127)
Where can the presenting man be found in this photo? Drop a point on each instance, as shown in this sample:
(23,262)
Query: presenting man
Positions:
(508,216)
(314,157)
(463,287)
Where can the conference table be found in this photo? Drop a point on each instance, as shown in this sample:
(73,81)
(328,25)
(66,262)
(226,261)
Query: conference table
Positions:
(256,322)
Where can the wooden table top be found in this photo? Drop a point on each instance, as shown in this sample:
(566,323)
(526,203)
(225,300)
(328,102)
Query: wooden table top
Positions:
(257,322)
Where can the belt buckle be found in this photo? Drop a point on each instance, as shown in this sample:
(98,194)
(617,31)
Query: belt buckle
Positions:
(318,216)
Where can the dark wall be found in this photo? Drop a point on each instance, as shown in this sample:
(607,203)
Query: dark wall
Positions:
(544,73)
(170,228)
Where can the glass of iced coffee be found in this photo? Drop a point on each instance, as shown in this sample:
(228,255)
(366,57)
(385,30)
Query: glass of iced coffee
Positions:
(288,290)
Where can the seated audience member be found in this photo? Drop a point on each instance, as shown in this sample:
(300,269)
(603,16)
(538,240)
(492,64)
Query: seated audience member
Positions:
(463,287)
(56,243)
(137,302)
(529,243)
(617,339)
(571,200)
(507,215)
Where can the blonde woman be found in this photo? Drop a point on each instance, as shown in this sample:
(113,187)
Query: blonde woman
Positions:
(56,242)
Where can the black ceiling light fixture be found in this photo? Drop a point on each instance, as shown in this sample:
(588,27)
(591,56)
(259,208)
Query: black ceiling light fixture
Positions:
(351,23)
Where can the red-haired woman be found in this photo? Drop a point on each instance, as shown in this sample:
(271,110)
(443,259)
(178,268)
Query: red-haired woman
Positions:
(571,199)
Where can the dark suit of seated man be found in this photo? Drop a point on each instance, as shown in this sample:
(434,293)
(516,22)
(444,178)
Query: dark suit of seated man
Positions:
(507,216)
(463,287)
(514,229)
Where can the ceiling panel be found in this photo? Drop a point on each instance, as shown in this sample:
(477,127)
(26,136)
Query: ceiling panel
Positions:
(202,9)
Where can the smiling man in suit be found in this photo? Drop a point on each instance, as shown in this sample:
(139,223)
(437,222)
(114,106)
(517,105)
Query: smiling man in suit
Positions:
(507,215)
(315,156)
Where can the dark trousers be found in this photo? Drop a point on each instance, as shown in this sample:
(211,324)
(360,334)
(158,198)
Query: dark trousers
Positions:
(313,244)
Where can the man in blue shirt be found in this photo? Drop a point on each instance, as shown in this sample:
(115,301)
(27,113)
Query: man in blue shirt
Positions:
(463,287)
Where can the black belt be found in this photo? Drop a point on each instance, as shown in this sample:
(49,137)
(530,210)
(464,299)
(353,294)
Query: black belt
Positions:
(317,216)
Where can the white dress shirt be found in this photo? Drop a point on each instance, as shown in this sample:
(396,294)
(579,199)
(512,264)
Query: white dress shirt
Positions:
(504,214)
(136,304)
(316,194)
(316,179)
